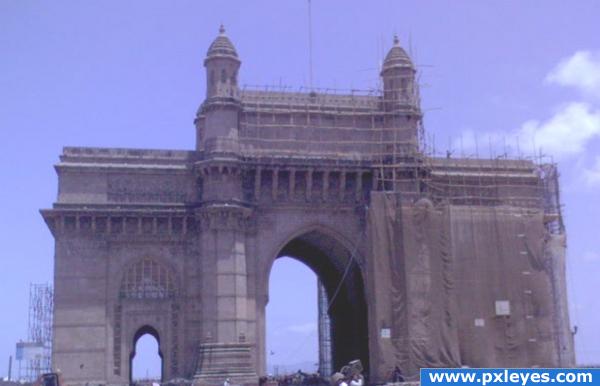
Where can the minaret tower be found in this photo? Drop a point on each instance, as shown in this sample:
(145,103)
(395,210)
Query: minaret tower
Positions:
(217,124)
(402,116)
(222,66)
(217,119)
(398,73)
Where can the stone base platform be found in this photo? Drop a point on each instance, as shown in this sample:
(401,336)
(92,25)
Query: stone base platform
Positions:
(219,361)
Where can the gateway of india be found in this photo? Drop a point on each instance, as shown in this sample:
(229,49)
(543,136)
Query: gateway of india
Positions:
(423,261)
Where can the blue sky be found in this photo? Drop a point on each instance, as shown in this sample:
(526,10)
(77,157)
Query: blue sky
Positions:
(129,74)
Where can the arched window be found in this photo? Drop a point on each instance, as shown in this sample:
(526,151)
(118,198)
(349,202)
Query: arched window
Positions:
(223,76)
(148,279)
(404,87)
(212,81)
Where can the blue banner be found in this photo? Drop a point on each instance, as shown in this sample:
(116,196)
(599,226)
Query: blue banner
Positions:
(505,376)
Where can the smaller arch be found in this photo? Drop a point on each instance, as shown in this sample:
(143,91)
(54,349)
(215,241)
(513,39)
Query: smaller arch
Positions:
(145,330)
(148,279)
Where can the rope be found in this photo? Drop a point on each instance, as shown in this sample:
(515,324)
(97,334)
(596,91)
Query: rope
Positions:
(346,271)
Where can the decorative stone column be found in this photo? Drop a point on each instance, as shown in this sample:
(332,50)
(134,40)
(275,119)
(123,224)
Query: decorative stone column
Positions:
(226,353)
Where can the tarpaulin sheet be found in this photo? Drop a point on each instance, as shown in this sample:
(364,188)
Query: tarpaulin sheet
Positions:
(437,273)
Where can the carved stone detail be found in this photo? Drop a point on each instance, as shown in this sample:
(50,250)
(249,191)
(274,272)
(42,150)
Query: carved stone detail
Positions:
(224,216)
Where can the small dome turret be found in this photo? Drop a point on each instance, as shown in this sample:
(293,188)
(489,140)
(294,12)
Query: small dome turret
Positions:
(218,116)
(222,47)
(398,74)
(222,65)
(396,57)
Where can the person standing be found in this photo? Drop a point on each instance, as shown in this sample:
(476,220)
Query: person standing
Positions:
(397,375)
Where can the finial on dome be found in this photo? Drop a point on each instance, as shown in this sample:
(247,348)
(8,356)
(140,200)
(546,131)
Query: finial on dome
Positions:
(396,40)
(222,29)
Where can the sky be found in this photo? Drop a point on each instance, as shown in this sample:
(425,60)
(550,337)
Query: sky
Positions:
(509,76)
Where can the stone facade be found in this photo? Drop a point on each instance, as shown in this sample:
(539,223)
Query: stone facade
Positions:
(179,244)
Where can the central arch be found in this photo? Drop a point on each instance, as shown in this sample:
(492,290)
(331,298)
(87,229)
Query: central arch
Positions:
(337,267)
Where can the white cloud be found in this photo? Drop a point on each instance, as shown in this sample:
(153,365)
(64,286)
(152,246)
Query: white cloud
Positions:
(306,328)
(565,134)
(592,175)
(571,134)
(582,71)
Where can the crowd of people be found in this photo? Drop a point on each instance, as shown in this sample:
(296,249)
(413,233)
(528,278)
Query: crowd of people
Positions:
(296,379)
(349,375)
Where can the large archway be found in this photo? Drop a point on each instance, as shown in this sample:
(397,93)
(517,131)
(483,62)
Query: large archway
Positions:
(140,333)
(338,269)
(292,335)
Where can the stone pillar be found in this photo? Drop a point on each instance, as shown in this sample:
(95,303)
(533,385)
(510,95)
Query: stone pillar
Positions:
(257,182)
(292,184)
(309,182)
(359,183)
(275,187)
(228,354)
(231,285)
(325,185)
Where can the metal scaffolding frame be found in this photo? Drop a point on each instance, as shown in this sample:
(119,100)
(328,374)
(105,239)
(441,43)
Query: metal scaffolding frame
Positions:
(37,351)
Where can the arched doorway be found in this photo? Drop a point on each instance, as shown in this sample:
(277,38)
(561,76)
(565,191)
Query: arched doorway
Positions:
(148,303)
(339,271)
(292,318)
(142,365)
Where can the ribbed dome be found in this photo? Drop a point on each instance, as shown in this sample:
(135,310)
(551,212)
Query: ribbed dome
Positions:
(222,47)
(397,57)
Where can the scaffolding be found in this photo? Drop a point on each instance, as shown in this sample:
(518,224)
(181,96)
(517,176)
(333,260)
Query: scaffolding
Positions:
(36,352)
(382,131)
(325,359)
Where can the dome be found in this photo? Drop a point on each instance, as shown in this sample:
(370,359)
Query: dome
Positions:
(222,47)
(397,57)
